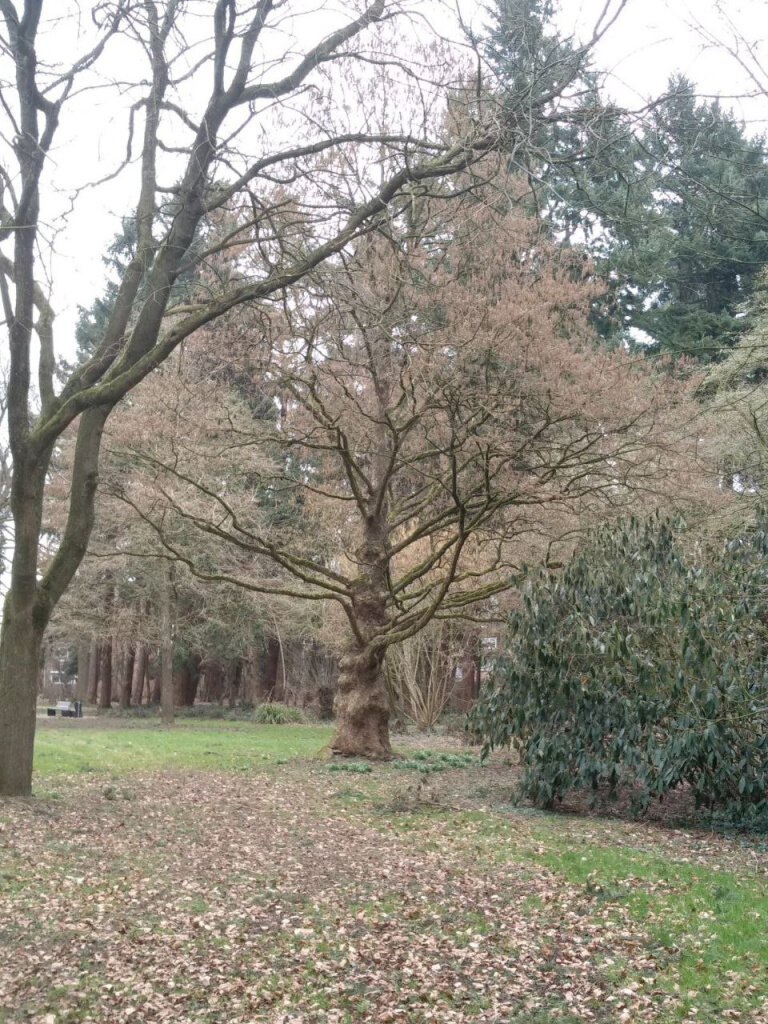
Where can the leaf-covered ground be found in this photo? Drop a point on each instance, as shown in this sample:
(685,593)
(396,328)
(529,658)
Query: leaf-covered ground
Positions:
(295,893)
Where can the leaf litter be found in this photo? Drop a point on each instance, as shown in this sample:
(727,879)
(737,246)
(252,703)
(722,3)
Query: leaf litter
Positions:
(280,898)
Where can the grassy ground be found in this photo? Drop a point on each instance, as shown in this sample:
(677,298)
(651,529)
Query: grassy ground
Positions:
(89,745)
(189,875)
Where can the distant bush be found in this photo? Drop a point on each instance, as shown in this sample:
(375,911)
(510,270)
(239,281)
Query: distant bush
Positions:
(640,667)
(277,714)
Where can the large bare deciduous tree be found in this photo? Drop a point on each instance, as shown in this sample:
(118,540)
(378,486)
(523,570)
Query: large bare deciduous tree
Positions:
(222,108)
(444,409)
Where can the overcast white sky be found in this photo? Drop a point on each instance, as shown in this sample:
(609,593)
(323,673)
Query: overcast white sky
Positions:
(651,40)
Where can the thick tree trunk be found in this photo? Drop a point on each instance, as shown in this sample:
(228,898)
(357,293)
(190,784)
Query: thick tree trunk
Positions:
(362,707)
(20,649)
(25,615)
(137,676)
(362,701)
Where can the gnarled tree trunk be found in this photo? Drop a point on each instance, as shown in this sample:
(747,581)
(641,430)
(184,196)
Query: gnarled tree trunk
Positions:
(362,701)
(362,706)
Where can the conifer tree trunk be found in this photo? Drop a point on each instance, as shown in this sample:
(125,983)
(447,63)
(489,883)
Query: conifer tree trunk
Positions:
(137,676)
(93,673)
(105,690)
(83,671)
(126,676)
(166,653)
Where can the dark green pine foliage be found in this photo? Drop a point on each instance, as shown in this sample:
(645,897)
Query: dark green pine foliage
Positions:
(545,79)
(92,321)
(640,668)
(698,233)
(673,206)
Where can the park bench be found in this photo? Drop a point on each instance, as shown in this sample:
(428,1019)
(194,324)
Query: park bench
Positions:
(67,709)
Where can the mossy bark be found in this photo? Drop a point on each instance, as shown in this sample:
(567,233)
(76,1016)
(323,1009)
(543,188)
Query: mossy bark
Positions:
(20,647)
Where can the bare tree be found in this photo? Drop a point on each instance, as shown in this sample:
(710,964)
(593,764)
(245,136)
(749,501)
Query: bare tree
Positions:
(445,410)
(221,112)
(6,465)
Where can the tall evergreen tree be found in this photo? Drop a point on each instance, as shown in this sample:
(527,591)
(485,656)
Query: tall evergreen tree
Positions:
(672,207)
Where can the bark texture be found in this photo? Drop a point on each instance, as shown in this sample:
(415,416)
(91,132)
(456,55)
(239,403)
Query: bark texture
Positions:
(362,707)
(166,653)
(126,676)
(105,690)
(93,674)
(25,616)
(20,645)
(362,701)
(137,676)
(83,671)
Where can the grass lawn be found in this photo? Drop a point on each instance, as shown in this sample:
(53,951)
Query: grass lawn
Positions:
(223,873)
(82,745)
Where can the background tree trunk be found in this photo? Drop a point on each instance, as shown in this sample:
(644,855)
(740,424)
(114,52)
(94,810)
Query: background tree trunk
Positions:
(83,671)
(126,676)
(470,674)
(105,690)
(269,689)
(93,673)
(137,676)
(186,681)
(153,670)
(214,682)
(166,653)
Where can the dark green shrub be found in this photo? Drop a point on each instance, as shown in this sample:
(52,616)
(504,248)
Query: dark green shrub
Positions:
(640,667)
